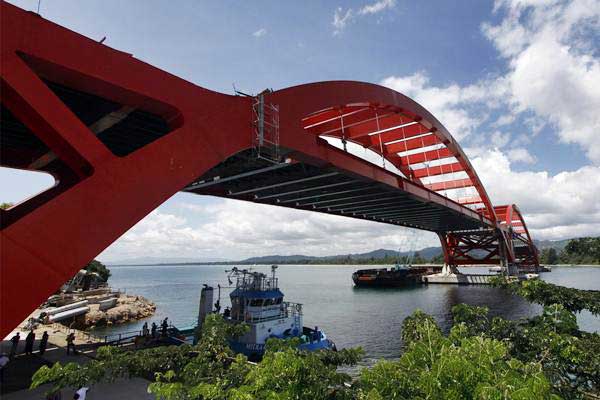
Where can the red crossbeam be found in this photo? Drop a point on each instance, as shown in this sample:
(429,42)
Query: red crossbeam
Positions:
(439,170)
(454,184)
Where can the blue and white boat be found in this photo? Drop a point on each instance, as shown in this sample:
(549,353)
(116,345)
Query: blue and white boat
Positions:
(257,301)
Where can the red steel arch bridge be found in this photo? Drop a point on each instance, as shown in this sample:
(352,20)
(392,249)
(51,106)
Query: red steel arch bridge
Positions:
(121,136)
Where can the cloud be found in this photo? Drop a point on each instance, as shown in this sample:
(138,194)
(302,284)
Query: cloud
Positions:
(521,154)
(259,33)
(342,18)
(452,104)
(377,7)
(553,68)
(552,77)
(557,206)
(237,229)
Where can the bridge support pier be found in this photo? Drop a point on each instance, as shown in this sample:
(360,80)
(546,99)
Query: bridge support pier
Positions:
(449,269)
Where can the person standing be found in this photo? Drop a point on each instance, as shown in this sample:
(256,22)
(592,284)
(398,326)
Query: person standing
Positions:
(164,327)
(29,340)
(15,344)
(43,343)
(145,329)
(154,329)
(3,363)
(71,343)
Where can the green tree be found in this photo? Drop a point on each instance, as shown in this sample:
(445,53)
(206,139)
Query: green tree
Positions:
(5,206)
(549,256)
(584,250)
(99,268)
(454,367)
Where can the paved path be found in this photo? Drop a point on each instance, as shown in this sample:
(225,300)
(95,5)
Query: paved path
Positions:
(132,389)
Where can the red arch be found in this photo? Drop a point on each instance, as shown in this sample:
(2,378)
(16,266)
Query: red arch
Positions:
(402,132)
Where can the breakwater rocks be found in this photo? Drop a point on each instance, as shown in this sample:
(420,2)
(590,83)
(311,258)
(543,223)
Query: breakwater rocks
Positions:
(128,308)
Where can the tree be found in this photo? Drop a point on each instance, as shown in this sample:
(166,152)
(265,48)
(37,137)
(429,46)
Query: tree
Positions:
(459,366)
(584,250)
(549,256)
(99,268)
(5,206)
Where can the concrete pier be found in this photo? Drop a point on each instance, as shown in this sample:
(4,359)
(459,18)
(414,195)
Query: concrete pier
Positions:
(458,279)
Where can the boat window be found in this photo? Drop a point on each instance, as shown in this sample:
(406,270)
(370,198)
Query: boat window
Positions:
(256,302)
(278,300)
(268,302)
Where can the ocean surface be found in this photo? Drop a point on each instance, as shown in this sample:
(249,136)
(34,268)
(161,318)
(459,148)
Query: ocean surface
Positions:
(369,318)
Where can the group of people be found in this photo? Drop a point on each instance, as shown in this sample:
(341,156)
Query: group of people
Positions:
(29,342)
(153,331)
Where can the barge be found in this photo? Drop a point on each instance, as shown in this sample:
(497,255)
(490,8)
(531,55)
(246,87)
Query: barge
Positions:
(398,276)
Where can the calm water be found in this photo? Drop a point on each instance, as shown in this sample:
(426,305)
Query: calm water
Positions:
(370,318)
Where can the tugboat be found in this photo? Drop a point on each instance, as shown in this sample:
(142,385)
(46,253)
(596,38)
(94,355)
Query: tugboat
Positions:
(258,302)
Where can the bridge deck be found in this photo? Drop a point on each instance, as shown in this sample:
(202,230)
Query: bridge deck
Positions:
(328,190)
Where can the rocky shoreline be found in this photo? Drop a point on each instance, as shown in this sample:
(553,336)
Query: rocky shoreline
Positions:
(128,308)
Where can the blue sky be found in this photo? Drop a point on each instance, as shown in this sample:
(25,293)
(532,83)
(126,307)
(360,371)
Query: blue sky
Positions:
(516,81)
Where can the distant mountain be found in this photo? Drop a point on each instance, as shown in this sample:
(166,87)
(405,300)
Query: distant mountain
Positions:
(426,253)
(277,259)
(164,260)
(557,245)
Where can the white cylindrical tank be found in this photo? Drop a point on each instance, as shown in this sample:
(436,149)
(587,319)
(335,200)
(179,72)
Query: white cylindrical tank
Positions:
(71,306)
(69,313)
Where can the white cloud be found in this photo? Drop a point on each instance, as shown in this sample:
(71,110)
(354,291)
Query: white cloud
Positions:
(451,105)
(553,69)
(552,78)
(237,229)
(520,154)
(499,139)
(557,206)
(342,18)
(259,33)
(377,7)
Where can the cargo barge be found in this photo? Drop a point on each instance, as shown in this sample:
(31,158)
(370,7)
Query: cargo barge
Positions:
(397,276)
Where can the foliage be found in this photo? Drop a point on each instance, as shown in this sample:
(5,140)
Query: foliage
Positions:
(455,367)
(544,293)
(549,256)
(551,339)
(5,206)
(99,268)
(210,370)
(585,250)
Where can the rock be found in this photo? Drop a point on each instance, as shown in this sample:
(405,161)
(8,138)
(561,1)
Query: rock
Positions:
(128,308)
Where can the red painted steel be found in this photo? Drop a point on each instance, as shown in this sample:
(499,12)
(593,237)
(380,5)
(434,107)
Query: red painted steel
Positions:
(99,195)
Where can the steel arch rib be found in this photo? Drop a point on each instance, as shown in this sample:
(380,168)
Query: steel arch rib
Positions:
(425,128)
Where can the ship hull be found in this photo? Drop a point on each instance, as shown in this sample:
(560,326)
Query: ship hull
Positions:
(383,277)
